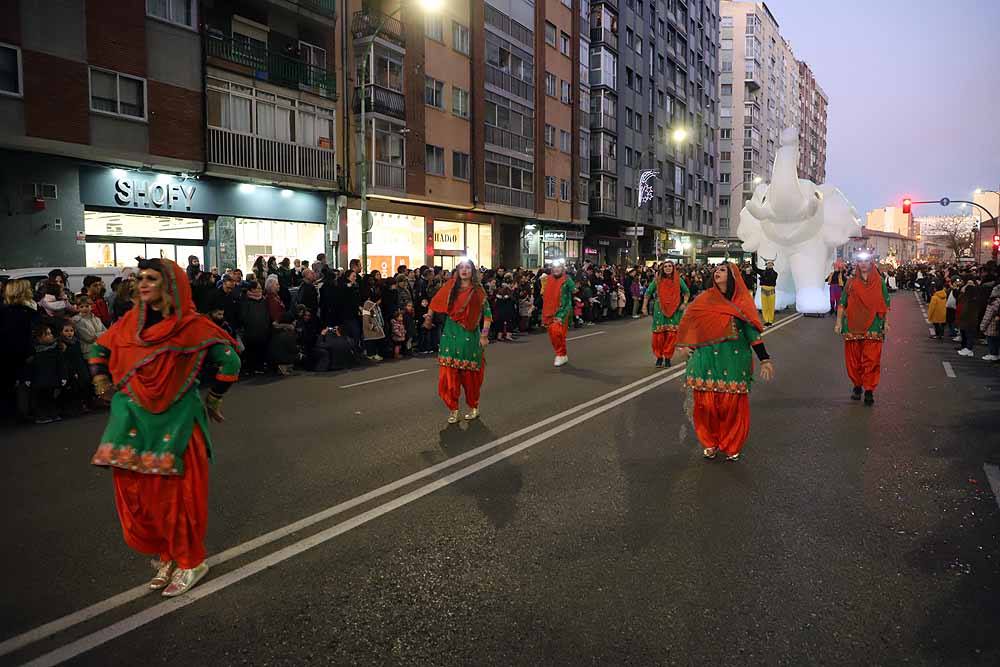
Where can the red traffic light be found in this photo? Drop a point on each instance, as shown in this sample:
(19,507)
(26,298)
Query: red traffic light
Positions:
(996,239)
(907,204)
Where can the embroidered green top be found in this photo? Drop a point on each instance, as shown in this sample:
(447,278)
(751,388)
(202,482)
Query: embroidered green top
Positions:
(146,442)
(565,312)
(727,366)
(460,347)
(876,331)
(660,321)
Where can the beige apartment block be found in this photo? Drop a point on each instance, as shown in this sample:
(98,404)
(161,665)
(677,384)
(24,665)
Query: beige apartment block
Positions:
(813,104)
(890,219)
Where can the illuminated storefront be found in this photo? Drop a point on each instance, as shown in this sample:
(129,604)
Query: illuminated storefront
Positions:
(541,246)
(454,240)
(395,239)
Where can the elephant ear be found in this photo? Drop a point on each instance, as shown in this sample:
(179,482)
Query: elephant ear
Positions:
(840,219)
(749,231)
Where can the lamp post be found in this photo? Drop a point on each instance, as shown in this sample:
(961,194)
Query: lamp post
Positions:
(429,6)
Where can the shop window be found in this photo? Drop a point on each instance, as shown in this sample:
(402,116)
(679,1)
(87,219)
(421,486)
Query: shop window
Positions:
(278,239)
(395,239)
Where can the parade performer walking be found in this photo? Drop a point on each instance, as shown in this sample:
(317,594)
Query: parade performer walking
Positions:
(862,319)
(156,441)
(461,358)
(718,330)
(768,283)
(836,280)
(669,294)
(557,308)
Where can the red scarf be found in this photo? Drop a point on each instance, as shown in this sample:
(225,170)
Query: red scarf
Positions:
(668,291)
(466,310)
(865,300)
(709,318)
(158,365)
(552,296)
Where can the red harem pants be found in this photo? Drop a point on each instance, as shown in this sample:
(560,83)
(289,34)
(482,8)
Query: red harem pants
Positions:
(557,336)
(664,343)
(722,420)
(167,515)
(864,362)
(451,381)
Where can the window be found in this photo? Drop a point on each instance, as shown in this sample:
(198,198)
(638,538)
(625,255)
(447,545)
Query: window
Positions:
(550,136)
(550,34)
(434,93)
(117,94)
(725,156)
(563,189)
(434,26)
(565,142)
(181,12)
(727,89)
(550,187)
(434,160)
(550,84)
(459,102)
(10,70)
(564,41)
(460,165)
(565,96)
(628,196)
(638,45)
(726,133)
(628,156)
(460,38)
(724,178)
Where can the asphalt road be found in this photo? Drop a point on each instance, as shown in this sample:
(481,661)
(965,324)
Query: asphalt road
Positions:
(576,523)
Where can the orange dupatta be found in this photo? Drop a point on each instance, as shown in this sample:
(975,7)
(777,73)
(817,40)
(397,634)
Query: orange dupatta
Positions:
(668,292)
(467,308)
(865,300)
(552,296)
(709,318)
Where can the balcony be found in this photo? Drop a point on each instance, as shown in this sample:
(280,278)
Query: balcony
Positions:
(268,65)
(603,121)
(325,7)
(247,151)
(497,136)
(501,196)
(509,84)
(604,163)
(603,206)
(752,79)
(389,28)
(388,176)
(382,101)
(601,35)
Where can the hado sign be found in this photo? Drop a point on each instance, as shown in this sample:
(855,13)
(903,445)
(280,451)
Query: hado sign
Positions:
(156,194)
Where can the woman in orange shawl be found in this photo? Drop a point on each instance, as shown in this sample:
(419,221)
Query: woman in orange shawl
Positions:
(461,361)
(557,308)
(670,295)
(156,441)
(862,320)
(719,329)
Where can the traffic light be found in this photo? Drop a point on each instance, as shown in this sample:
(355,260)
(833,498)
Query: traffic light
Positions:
(907,204)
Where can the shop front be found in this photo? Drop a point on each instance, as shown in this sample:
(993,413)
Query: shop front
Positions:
(454,240)
(542,245)
(129,214)
(720,250)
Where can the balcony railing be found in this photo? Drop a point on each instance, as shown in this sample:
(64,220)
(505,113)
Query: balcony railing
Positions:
(604,163)
(602,121)
(497,136)
(381,100)
(366,23)
(603,35)
(603,206)
(324,7)
(497,194)
(509,84)
(271,66)
(247,151)
(388,176)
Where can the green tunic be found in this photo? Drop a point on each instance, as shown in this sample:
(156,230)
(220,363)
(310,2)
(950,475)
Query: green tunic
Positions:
(876,331)
(139,440)
(460,347)
(725,367)
(565,311)
(660,321)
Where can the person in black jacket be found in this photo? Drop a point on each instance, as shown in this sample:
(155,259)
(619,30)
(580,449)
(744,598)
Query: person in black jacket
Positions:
(255,330)
(349,306)
(44,374)
(79,392)
(329,295)
(308,295)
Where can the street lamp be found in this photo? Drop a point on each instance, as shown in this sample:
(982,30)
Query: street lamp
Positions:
(428,6)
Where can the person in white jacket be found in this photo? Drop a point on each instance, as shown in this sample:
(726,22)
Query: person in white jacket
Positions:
(88,326)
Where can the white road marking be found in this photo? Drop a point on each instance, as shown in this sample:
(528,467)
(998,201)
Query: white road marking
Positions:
(993,475)
(135,621)
(390,377)
(596,333)
(948,370)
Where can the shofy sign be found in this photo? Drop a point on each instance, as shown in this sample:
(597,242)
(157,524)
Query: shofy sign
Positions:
(143,194)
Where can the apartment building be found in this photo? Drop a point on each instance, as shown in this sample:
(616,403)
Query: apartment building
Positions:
(653,69)
(813,104)
(166,129)
(759,96)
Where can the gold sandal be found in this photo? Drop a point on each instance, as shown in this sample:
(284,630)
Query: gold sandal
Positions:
(709,452)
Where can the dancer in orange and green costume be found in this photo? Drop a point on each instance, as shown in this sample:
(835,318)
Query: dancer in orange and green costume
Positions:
(670,295)
(718,330)
(862,318)
(156,441)
(557,308)
(461,357)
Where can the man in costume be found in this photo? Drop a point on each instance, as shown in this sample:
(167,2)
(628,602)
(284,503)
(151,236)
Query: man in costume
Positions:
(669,294)
(862,320)
(719,329)
(768,282)
(461,358)
(557,308)
(156,441)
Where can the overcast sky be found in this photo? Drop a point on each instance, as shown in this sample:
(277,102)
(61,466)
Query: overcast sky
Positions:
(914,88)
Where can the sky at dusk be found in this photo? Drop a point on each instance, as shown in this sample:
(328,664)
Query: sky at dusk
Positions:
(914,88)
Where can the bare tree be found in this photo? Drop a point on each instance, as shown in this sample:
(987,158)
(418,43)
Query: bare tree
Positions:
(955,232)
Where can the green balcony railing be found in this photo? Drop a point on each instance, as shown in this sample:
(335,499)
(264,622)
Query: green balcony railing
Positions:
(268,65)
(325,7)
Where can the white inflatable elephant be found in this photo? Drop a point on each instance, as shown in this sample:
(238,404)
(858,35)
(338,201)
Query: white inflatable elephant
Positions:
(799,225)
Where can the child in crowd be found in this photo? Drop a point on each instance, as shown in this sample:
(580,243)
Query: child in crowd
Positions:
(525,307)
(425,332)
(54,303)
(78,391)
(88,325)
(44,375)
(398,334)
(410,320)
(577,309)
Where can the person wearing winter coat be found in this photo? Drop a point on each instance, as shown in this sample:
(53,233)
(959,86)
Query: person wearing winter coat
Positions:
(256,328)
(54,303)
(937,311)
(44,373)
(18,317)
(88,325)
(990,325)
(505,313)
(968,317)
(282,347)
(373,328)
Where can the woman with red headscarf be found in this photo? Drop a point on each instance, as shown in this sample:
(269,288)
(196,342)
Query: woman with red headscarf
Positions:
(720,327)
(461,358)
(156,441)
(669,294)
(862,320)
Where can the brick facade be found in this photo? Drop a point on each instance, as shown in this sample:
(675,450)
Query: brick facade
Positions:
(116,35)
(56,99)
(175,122)
(416,112)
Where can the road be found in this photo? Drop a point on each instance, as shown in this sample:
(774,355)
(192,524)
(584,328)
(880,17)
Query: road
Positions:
(575,523)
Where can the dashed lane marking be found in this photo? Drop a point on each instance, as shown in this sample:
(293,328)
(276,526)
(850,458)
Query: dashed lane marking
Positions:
(388,377)
(596,333)
(948,370)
